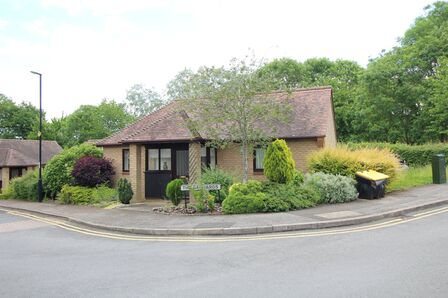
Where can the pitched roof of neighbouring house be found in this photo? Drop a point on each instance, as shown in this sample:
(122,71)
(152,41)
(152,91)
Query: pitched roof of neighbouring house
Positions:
(311,109)
(17,153)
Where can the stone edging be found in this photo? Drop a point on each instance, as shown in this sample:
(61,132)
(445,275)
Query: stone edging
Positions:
(245,230)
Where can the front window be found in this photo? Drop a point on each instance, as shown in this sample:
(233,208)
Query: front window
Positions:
(153,159)
(208,157)
(125,160)
(159,159)
(259,159)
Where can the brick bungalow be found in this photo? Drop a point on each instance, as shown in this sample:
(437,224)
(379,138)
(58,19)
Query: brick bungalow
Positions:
(19,156)
(159,147)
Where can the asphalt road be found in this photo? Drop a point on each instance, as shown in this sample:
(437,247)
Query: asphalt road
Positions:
(409,259)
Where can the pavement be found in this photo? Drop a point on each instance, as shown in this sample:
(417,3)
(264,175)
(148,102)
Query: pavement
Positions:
(139,218)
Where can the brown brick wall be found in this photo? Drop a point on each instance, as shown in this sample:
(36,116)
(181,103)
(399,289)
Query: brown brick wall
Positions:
(114,154)
(229,159)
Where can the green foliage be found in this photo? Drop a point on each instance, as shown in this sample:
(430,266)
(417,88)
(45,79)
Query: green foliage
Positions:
(332,188)
(211,94)
(100,196)
(346,162)
(16,120)
(125,192)
(204,201)
(103,194)
(58,170)
(297,178)
(268,197)
(413,155)
(278,162)
(23,188)
(217,176)
(95,122)
(75,195)
(173,191)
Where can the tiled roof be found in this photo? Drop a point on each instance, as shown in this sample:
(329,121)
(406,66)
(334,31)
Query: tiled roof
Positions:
(15,153)
(311,109)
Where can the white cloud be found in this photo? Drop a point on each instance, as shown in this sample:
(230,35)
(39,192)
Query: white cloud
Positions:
(3,24)
(82,65)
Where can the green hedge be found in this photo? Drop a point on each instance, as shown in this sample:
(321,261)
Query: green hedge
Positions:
(81,195)
(413,155)
(22,188)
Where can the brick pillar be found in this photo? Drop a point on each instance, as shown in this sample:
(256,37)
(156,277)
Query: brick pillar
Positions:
(5,177)
(194,165)
(136,172)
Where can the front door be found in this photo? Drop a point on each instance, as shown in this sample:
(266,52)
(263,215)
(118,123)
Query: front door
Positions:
(163,164)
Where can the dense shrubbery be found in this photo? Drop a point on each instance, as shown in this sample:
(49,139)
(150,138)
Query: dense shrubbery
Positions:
(80,195)
(125,192)
(413,155)
(345,162)
(173,191)
(58,171)
(22,188)
(212,176)
(91,171)
(204,200)
(332,188)
(278,163)
(268,197)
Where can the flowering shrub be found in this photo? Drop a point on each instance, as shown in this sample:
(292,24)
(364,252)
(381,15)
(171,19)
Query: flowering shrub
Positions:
(92,171)
(332,188)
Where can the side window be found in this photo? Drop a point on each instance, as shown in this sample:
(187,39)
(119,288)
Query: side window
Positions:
(125,160)
(259,158)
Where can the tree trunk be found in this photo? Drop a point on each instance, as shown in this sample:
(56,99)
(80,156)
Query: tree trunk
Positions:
(245,163)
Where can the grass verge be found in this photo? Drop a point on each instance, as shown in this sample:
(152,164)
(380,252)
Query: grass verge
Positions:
(414,176)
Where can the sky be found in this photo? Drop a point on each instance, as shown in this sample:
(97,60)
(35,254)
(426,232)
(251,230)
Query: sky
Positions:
(88,50)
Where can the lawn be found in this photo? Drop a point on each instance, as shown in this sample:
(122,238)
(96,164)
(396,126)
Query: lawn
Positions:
(415,176)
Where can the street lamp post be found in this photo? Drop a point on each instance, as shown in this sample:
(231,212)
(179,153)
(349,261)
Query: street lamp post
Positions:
(39,183)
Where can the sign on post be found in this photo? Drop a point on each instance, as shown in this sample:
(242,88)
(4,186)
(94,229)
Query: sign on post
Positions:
(187,187)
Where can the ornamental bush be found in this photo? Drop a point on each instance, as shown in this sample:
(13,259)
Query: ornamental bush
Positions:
(91,171)
(346,162)
(278,162)
(125,192)
(23,188)
(58,170)
(244,198)
(217,176)
(332,188)
(173,191)
(75,195)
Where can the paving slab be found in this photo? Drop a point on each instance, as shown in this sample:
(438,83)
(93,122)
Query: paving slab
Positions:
(147,222)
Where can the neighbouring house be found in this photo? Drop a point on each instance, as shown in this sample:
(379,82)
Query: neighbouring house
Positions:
(19,156)
(159,147)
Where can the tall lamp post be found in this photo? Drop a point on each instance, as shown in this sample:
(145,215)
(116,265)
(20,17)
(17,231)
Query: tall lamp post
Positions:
(39,183)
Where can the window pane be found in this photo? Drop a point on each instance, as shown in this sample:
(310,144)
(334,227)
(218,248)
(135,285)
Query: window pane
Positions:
(259,158)
(182,162)
(165,159)
(153,159)
(212,158)
(125,160)
(203,157)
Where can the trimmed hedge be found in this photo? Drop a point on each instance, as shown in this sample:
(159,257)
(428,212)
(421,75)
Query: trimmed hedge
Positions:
(173,191)
(413,155)
(346,162)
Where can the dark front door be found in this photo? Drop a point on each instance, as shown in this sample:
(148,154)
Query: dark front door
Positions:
(164,163)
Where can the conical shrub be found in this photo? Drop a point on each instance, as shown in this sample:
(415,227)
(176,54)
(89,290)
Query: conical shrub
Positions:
(278,163)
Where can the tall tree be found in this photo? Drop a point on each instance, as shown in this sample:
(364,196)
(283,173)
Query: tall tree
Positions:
(96,122)
(141,101)
(16,120)
(231,105)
